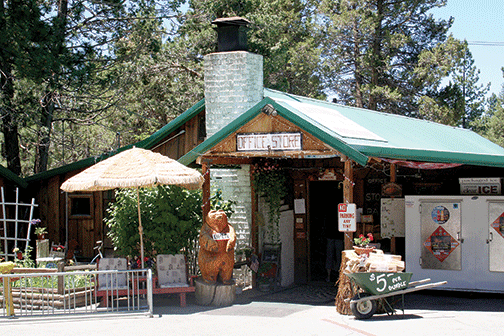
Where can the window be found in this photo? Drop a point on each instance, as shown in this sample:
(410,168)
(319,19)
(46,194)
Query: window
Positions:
(81,206)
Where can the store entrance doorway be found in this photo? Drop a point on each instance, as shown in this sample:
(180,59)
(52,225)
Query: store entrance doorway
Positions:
(324,199)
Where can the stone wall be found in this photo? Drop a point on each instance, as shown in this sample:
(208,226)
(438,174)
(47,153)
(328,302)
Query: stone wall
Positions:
(235,186)
(233,84)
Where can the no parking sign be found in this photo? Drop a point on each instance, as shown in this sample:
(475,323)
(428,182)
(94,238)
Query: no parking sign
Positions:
(347,216)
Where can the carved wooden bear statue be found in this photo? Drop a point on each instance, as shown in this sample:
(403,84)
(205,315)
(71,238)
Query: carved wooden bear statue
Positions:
(217,241)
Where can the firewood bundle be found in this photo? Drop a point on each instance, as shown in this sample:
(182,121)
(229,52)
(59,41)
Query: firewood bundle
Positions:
(377,261)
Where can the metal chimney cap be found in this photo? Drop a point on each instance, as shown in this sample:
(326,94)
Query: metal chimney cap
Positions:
(231,21)
(231,34)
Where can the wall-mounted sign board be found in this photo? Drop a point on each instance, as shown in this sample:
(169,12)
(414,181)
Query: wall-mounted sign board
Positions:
(246,142)
(480,186)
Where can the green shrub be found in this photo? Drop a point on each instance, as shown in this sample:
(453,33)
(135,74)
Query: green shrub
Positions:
(171,219)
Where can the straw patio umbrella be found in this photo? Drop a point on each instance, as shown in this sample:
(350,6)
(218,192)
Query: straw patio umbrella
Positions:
(134,168)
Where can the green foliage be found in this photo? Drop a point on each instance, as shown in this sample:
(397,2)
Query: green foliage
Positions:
(217,202)
(70,281)
(494,126)
(371,48)
(270,182)
(27,260)
(282,31)
(171,219)
(461,102)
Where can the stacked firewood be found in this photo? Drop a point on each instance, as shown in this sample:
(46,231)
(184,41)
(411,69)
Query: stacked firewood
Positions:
(375,262)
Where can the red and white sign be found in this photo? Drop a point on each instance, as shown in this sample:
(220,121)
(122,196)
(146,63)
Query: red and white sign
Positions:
(347,217)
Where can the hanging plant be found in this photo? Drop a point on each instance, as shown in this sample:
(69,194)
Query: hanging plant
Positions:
(270,182)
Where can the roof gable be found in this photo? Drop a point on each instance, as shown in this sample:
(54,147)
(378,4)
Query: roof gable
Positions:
(290,115)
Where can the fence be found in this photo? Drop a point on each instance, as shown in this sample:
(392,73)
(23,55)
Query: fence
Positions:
(81,292)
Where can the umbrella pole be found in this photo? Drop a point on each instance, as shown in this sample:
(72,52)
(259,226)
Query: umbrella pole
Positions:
(140,229)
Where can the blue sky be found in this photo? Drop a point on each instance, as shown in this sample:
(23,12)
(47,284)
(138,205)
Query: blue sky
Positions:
(480,21)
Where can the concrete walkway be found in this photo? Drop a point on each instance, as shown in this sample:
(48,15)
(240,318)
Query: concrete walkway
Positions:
(284,313)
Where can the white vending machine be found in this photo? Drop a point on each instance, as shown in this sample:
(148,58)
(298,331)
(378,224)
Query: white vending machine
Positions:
(459,239)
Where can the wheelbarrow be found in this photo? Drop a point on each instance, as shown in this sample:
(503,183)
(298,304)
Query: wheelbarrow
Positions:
(378,286)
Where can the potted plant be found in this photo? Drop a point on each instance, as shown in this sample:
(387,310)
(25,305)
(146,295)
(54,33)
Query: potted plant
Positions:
(40,232)
(362,244)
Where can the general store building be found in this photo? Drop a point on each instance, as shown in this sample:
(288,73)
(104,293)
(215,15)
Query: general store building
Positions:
(332,154)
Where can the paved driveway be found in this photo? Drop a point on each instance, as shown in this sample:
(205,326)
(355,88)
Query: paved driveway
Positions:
(284,313)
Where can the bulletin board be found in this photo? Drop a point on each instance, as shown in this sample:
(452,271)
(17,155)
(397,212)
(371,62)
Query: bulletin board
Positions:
(392,217)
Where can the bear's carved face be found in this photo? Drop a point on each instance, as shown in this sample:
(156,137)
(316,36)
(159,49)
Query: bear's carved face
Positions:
(217,220)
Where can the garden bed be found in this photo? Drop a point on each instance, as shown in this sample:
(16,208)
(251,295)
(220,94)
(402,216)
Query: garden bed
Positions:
(48,298)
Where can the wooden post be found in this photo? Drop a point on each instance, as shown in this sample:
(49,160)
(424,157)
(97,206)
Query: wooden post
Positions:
(9,304)
(348,197)
(393,178)
(61,280)
(393,172)
(206,189)
(254,201)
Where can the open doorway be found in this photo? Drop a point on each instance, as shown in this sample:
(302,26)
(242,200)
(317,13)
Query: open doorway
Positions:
(324,199)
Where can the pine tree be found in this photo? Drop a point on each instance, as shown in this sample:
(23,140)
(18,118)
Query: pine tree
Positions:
(460,102)
(372,46)
(282,31)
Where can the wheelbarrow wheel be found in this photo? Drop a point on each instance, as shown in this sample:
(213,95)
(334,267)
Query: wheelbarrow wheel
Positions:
(364,309)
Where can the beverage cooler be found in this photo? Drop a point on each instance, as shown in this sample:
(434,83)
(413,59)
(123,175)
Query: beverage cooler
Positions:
(456,238)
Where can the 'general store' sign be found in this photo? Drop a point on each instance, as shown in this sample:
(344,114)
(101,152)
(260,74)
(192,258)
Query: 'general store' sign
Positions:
(246,142)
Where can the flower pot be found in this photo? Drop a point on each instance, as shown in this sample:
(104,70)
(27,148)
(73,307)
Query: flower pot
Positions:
(360,250)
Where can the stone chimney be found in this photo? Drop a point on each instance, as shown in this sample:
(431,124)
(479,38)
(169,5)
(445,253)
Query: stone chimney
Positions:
(233,76)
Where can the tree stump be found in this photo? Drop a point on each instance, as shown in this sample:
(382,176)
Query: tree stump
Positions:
(217,294)
(346,289)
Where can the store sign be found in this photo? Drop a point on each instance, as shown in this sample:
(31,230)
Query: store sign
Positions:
(480,186)
(347,217)
(246,142)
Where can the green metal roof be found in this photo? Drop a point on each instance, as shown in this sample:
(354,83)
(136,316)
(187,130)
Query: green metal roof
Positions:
(387,135)
(6,173)
(147,143)
(356,132)
(361,133)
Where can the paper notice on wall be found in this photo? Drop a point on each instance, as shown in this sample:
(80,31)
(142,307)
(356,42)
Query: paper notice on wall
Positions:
(299,206)
(392,217)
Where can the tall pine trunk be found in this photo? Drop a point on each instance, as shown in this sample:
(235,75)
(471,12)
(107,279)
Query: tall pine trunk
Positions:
(49,104)
(10,148)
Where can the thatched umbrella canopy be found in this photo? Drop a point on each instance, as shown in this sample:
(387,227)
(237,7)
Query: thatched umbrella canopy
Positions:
(134,168)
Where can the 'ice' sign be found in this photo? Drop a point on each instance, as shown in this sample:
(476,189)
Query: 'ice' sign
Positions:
(347,217)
